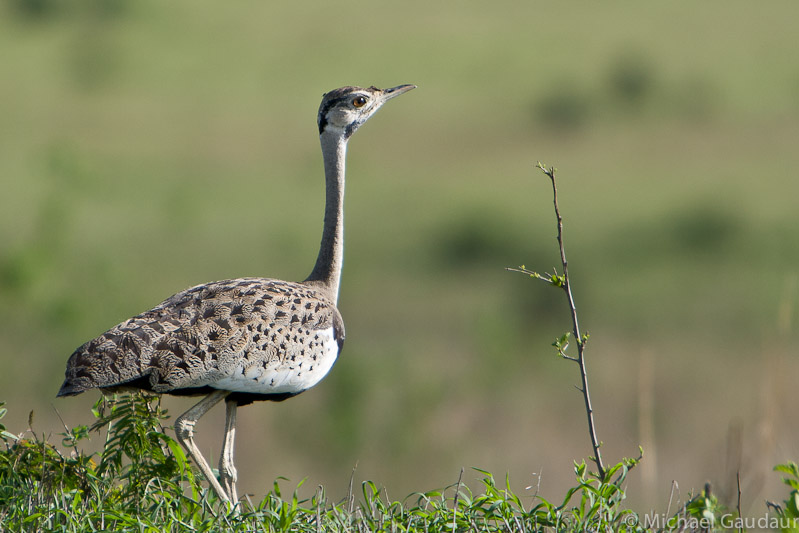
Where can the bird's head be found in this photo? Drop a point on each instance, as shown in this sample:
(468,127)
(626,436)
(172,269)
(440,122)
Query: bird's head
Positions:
(343,110)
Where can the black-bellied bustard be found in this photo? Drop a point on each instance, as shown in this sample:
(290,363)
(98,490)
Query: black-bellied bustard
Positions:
(240,340)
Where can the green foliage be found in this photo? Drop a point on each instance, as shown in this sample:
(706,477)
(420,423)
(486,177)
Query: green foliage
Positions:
(137,483)
(562,343)
(135,432)
(704,510)
(141,481)
(4,435)
(789,510)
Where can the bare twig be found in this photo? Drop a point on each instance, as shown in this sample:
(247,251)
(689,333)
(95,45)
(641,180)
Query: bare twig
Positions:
(562,281)
(674,488)
(738,506)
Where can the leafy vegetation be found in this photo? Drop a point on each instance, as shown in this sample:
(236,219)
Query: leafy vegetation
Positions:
(141,481)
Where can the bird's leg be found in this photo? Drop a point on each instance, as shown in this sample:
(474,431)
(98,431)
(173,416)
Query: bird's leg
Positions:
(184,431)
(227,470)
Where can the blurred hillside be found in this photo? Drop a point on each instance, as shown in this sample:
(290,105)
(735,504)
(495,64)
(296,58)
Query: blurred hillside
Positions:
(149,146)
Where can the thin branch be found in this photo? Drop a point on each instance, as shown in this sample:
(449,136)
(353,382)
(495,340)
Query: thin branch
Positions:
(738,506)
(562,281)
(581,341)
(674,487)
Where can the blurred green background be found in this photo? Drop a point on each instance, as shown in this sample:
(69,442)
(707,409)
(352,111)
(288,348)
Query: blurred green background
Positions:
(149,146)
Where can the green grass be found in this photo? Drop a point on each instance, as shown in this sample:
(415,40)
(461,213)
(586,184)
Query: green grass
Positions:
(142,481)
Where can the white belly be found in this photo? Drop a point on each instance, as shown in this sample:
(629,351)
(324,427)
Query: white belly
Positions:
(301,367)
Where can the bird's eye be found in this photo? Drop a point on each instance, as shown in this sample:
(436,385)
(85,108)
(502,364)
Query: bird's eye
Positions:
(359,101)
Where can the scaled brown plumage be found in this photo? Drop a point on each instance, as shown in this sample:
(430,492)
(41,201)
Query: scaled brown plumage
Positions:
(206,333)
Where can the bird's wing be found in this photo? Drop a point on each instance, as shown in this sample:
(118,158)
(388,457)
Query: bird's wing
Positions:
(221,335)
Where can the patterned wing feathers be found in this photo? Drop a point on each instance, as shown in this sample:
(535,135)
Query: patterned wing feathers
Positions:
(205,334)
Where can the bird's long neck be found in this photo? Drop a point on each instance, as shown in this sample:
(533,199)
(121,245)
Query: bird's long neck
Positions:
(327,271)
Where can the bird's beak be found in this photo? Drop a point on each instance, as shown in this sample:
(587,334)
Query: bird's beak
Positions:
(388,94)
